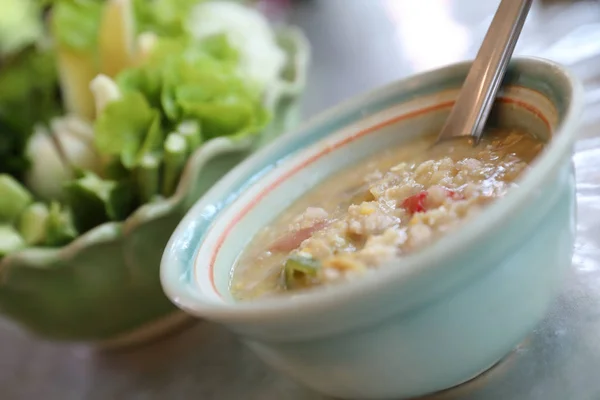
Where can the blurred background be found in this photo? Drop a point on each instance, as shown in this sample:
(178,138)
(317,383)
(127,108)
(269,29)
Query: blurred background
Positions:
(358,45)
(361,44)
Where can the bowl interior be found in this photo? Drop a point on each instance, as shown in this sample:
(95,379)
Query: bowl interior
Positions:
(535,98)
(517,107)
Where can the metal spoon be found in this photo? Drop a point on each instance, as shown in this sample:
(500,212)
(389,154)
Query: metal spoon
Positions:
(475,100)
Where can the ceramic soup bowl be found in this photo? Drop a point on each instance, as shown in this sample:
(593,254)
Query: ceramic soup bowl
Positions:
(444,314)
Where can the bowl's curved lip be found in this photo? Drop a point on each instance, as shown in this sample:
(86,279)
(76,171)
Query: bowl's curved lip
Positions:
(188,297)
(111,231)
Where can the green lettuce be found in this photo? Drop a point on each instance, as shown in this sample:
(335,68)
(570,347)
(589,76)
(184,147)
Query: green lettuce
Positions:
(128,128)
(75,23)
(182,80)
(163,17)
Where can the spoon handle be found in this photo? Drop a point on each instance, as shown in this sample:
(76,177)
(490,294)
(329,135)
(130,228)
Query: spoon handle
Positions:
(475,100)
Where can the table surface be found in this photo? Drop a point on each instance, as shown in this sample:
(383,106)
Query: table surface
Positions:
(359,45)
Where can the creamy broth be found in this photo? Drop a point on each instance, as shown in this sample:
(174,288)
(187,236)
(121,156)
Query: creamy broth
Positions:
(387,206)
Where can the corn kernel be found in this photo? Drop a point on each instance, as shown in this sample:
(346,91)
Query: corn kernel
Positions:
(366,210)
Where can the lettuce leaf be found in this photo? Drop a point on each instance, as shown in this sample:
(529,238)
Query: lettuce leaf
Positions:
(182,80)
(75,23)
(127,128)
(146,80)
(163,17)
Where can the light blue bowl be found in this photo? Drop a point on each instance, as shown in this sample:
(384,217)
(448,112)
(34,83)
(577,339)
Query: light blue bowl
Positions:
(438,317)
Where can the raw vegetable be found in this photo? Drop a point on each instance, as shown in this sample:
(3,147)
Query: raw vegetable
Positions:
(176,151)
(14,198)
(117,37)
(20,25)
(299,271)
(147,177)
(192,133)
(32,224)
(190,80)
(10,240)
(104,90)
(123,127)
(104,101)
(59,226)
(75,25)
(247,31)
(55,153)
(94,201)
(164,17)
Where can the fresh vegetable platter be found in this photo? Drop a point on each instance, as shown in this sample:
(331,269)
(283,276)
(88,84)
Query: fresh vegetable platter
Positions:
(115,117)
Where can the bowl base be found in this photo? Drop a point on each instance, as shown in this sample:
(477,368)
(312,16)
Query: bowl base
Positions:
(478,380)
(168,325)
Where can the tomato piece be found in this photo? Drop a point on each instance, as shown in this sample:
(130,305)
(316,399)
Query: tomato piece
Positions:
(415,203)
(292,240)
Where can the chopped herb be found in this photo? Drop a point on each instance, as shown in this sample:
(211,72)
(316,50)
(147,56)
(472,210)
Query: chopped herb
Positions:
(300,271)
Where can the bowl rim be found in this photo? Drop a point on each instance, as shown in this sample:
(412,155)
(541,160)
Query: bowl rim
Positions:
(187,295)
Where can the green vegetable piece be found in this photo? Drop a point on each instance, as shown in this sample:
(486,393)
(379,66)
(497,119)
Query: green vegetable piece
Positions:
(165,17)
(123,126)
(14,198)
(94,201)
(75,24)
(10,240)
(198,86)
(192,132)
(59,226)
(147,177)
(20,25)
(145,79)
(224,116)
(32,224)
(154,139)
(114,170)
(219,46)
(300,271)
(176,154)
(28,96)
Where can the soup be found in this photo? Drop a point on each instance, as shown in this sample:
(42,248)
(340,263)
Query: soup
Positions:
(387,206)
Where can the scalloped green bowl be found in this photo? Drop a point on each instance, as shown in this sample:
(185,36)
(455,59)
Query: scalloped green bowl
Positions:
(105,286)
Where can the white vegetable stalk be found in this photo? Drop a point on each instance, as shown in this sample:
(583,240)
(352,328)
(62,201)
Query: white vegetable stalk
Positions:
(145,44)
(52,167)
(76,69)
(116,37)
(104,90)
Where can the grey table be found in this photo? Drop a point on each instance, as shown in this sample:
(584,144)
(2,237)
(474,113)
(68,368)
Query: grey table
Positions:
(358,45)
